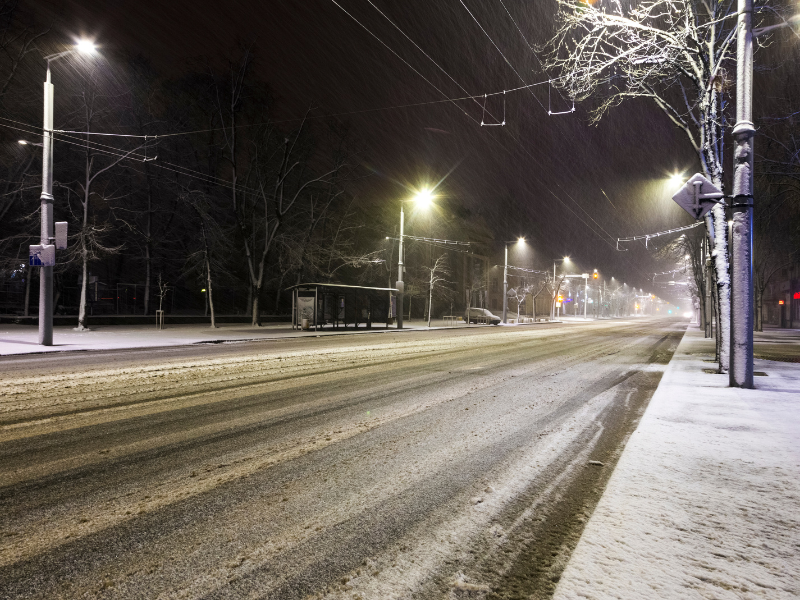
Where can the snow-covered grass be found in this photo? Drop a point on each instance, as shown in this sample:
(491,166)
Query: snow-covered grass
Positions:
(704,500)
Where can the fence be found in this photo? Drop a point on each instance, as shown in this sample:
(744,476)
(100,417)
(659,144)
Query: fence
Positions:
(452,321)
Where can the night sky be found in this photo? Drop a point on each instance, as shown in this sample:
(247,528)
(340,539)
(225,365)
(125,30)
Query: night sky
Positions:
(540,176)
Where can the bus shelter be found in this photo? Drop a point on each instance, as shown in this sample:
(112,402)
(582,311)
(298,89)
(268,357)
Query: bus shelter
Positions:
(335,305)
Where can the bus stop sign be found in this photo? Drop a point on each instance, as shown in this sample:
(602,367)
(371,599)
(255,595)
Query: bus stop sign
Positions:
(698,196)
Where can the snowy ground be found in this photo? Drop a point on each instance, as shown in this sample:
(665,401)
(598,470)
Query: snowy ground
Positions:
(704,500)
(23,339)
(426,465)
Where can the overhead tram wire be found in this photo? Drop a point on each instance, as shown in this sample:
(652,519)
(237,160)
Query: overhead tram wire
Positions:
(523,147)
(121,153)
(201,177)
(426,55)
(160,136)
(498,49)
(446,99)
(527,43)
(549,112)
(464,90)
(647,236)
(364,27)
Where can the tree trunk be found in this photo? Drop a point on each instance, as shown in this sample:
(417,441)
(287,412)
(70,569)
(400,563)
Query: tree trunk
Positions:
(28,275)
(209,293)
(430,305)
(147,278)
(256,319)
(84,283)
(723,285)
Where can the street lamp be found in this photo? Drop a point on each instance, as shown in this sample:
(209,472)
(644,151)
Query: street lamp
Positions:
(47,230)
(553,306)
(740,372)
(424,198)
(519,242)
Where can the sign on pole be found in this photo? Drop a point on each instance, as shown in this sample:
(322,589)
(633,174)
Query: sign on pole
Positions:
(42,256)
(698,196)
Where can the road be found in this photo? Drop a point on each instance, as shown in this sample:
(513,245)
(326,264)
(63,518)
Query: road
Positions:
(442,464)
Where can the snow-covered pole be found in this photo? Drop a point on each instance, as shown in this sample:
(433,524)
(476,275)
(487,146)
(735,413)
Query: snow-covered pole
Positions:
(505,288)
(400,285)
(46,273)
(741,357)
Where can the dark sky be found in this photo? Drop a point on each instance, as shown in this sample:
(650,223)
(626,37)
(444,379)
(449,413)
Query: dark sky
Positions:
(539,176)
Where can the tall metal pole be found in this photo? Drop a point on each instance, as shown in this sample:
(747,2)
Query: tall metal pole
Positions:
(505,288)
(46,273)
(585,297)
(553,303)
(741,355)
(400,285)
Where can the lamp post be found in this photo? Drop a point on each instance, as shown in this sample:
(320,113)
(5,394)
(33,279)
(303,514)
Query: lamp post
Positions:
(741,361)
(585,296)
(425,197)
(47,229)
(518,241)
(553,305)
(740,373)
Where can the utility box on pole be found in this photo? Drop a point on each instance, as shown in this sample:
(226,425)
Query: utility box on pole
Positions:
(61,235)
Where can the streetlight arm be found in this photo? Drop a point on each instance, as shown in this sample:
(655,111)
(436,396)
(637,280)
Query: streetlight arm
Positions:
(51,57)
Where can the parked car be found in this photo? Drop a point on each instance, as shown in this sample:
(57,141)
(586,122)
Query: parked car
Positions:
(481,315)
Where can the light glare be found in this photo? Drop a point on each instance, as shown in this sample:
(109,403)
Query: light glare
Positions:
(424,198)
(676,179)
(85,46)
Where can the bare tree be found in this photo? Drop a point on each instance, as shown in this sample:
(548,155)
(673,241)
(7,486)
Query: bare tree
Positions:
(675,53)
(436,275)
(94,161)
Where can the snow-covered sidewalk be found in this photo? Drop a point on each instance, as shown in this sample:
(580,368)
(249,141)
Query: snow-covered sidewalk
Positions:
(23,339)
(705,500)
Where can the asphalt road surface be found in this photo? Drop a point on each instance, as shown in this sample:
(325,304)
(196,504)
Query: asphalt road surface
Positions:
(442,464)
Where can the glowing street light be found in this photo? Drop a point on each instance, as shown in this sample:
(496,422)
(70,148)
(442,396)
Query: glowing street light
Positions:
(423,199)
(676,179)
(85,46)
(47,232)
(520,242)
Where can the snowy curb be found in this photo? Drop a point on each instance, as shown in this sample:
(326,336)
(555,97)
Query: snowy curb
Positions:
(703,502)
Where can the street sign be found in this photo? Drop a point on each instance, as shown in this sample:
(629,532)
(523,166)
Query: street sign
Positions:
(42,256)
(61,235)
(698,196)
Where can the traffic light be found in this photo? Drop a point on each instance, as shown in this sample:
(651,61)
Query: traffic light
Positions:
(595,276)
(561,298)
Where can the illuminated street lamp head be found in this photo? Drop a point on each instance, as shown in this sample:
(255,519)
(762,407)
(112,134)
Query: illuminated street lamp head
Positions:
(566,259)
(676,179)
(521,241)
(85,46)
(23,142)
(424,198)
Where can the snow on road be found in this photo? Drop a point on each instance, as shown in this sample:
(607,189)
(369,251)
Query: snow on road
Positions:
(704,501)
(336,466)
